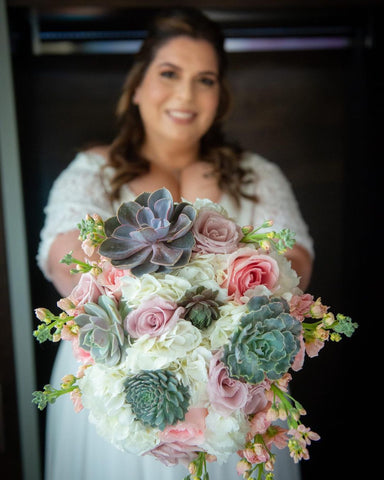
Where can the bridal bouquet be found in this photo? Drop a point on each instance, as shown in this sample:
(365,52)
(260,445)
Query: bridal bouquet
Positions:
(187,328)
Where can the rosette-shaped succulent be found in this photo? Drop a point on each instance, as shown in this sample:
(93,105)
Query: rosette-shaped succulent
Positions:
(150,234)
(101,331)
(265,343)
(201,306)
(157,398)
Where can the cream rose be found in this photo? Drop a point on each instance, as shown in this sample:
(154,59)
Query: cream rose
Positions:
(214,233)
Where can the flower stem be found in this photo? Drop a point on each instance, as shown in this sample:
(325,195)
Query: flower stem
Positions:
(292,411)
(49,322)
(50,394)
(198,467)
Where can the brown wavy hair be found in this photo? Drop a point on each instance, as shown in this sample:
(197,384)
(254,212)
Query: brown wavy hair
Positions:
(125,154)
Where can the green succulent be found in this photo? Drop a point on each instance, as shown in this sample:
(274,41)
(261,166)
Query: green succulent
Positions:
(265,343)
(150,234)
(157,398)
(201,306)
(101,331)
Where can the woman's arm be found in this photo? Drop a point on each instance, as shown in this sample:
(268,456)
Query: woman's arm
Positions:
(301,262)
(61,277)
(79,190)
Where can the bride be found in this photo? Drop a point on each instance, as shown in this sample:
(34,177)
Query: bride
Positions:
(170,113)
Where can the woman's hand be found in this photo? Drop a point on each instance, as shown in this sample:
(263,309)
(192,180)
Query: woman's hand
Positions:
(63,280)
(301,262)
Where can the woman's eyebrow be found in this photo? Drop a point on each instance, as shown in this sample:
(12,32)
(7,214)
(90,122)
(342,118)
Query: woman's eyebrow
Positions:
(173,65)
(169,64)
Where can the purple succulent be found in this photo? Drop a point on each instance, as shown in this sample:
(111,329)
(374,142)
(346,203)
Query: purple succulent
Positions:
(150,234)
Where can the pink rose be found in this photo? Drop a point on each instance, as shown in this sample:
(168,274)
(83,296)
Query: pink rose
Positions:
(87,290)
(215,233)
(190,431)
(256,400)
(155,317)
(110,278)
(248,269)
(225,393)
(80,354)
(171,454)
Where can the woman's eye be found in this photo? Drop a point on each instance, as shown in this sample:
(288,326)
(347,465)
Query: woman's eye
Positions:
(168,74)
(208,81)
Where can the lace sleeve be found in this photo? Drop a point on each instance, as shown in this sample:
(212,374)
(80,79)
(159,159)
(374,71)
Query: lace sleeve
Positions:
(78,190)
(277,201)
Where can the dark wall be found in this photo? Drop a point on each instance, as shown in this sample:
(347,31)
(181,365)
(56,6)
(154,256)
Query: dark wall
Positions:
(314,113)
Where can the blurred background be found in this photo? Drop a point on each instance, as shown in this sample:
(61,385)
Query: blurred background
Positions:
(308,90)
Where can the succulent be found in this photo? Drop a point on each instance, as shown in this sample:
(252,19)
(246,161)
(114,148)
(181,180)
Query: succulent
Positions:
(201,306)
(157,398)
(149,234)
(101,331)
(265,343)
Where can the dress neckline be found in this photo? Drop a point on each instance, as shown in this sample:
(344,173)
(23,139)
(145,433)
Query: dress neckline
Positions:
(127,194)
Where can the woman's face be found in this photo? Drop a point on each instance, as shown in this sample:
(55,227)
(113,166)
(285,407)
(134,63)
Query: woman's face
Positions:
(179,94)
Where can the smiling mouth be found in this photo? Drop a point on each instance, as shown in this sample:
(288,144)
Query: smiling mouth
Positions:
(181,115)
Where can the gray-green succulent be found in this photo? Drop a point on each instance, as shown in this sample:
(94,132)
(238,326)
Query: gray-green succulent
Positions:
(201,306)
(265,343)
(157,398)
(101,331)
(150,234)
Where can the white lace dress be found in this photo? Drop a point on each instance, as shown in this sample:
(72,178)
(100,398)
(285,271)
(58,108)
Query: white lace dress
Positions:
(74,451)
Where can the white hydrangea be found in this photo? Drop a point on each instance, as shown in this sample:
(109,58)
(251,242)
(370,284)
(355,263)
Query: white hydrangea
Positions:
(193,372)
(201,268)
(155,353)
(102,388)
(218,334)
(135,290)
(288,278)
(208,204)
(257,291)
(224,435)
(103,394)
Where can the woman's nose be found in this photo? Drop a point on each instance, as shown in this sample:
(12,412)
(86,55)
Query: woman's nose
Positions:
(185,90)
